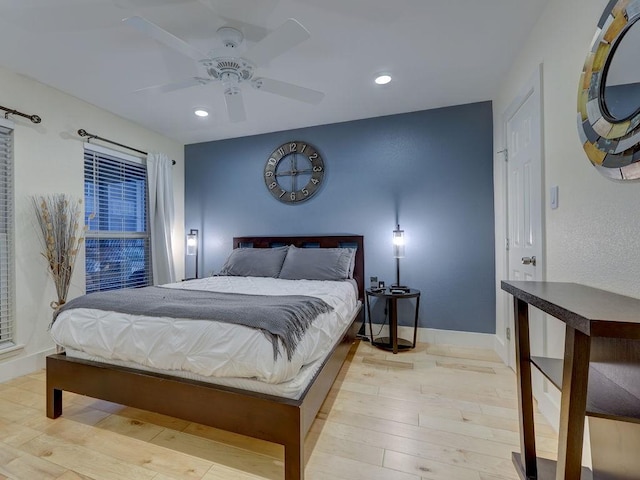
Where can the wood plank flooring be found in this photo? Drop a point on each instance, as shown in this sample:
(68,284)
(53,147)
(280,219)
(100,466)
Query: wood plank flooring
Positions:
(435,412)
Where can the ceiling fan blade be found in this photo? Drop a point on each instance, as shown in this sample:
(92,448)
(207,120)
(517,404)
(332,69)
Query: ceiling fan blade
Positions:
(235,106)
(161,35)
(170,87)
(288,90)
(283,38)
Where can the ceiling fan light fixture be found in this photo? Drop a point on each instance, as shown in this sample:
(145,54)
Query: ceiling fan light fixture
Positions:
(231,37)
(383,79)
(227,67)
(201,112)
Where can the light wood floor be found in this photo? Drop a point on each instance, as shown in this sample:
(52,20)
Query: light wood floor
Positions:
(436,412)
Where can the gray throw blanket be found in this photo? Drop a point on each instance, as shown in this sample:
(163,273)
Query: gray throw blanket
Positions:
(284,318)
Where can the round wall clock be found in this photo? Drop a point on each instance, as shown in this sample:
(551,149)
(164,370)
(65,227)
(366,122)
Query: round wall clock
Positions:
(294,172)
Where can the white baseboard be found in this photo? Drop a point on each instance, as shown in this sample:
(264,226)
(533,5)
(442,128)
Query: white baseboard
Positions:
(452,337)
(23,365)
(443,337)
(549,409)
(500,348)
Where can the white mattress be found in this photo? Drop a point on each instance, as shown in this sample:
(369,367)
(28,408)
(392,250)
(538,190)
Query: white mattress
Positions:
(203,349)
(292,389)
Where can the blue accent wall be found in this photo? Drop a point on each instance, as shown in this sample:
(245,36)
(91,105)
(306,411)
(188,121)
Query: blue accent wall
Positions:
(430,171)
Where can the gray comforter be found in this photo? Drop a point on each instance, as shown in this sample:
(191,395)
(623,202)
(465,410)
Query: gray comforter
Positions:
(283,318)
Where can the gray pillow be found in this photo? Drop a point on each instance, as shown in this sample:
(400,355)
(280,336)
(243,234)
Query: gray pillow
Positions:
(318,264)
(254,262)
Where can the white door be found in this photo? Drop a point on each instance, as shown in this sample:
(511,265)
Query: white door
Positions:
(525,200)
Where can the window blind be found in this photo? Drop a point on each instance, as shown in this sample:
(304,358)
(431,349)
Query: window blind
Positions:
(6,238)
(117,238)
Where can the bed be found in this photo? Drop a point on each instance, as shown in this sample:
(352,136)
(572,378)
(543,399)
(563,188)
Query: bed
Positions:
(267,416)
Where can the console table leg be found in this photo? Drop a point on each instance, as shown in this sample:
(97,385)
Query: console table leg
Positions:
(525,391)
(573,404)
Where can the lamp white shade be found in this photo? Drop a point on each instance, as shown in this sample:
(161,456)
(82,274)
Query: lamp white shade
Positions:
(192,243)
(398,243)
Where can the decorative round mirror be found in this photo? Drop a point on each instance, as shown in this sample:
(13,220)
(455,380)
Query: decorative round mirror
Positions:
(609,93)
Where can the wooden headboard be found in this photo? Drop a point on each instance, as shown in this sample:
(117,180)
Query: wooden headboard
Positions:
(320,241)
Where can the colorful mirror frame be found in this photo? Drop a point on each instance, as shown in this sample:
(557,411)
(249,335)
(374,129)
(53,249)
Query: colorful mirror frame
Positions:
(613,146)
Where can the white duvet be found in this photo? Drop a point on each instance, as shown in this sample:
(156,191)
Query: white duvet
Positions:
(209,348)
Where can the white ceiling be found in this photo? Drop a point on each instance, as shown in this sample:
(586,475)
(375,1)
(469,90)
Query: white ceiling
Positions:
(440,53)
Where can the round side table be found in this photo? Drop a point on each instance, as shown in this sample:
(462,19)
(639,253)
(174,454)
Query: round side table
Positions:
(393,343)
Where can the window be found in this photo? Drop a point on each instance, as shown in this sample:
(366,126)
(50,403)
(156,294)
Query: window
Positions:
(117,240)
(6,235)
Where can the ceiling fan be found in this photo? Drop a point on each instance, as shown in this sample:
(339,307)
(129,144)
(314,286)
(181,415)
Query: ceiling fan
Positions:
(232,69)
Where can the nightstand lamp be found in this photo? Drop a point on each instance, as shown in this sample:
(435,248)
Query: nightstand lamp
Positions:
(398,253)
(192,246)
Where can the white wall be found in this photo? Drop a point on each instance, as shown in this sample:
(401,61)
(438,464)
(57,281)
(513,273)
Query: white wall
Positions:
(49,159)
(593,237)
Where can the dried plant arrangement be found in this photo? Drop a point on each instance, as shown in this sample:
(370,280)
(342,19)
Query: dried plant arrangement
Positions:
(58,217)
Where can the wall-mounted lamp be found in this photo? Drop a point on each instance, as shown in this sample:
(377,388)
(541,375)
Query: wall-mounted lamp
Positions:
(192,246)
(398,253)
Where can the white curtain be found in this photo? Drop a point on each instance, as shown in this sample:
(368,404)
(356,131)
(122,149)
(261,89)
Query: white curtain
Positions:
(161,217)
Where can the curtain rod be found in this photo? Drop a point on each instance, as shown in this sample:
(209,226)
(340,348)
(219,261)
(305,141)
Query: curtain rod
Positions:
(11,111)
(83,133)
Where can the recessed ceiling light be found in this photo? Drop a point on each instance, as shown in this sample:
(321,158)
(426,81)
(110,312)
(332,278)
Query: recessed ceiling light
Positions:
(201,113)
(383,79)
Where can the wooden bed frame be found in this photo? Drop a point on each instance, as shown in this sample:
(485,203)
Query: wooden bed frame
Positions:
(275,419)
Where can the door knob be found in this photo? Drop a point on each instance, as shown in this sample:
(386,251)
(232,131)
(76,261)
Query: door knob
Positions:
(529,261)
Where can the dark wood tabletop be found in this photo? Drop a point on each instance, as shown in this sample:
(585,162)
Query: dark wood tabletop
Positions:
(592,311)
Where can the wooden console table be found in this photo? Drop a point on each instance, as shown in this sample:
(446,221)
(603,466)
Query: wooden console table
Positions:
(599,377)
